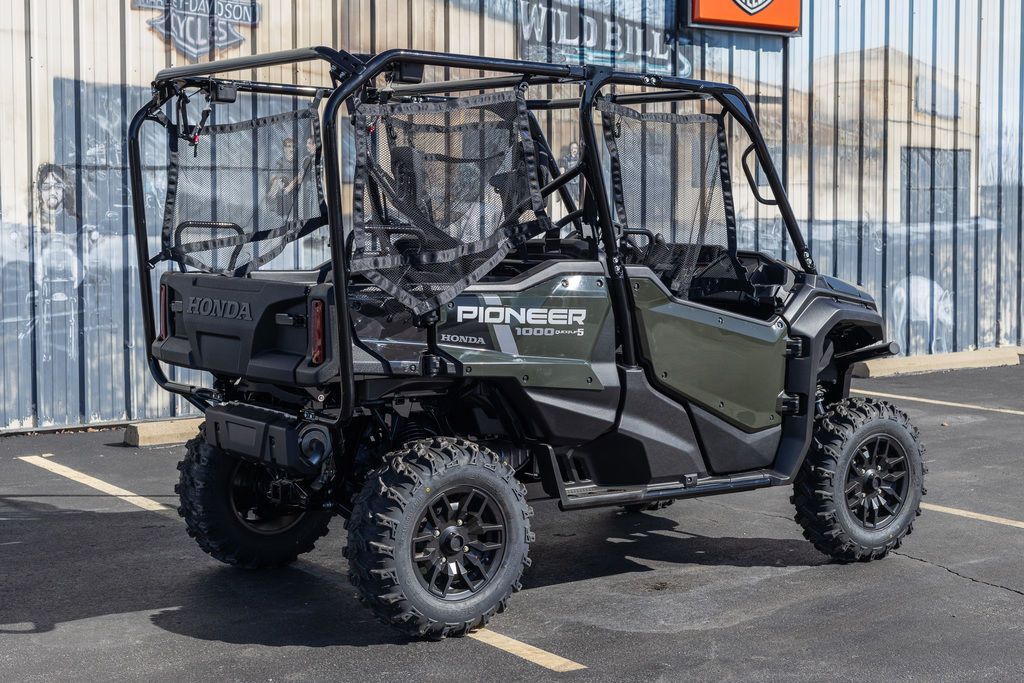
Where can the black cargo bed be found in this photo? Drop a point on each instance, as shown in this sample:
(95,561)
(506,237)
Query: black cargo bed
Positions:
(261,329)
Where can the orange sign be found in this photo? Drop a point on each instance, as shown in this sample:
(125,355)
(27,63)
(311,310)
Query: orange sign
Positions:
(771,16)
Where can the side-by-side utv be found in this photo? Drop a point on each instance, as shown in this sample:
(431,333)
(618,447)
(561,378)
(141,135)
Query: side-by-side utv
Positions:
(406,309)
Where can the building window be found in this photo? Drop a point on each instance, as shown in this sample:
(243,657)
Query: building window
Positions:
(943,102)
(937,176)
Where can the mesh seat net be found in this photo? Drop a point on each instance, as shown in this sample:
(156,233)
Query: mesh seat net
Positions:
(243,192)
(670,177)
(443,192)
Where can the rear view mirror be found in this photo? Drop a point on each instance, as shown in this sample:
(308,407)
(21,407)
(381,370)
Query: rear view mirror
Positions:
(752,179)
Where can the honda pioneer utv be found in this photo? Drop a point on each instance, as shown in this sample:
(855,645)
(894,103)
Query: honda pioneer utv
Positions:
(406,331)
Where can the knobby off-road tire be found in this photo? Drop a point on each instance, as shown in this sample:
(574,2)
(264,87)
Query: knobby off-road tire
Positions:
(209,492)
(861,485)
(424,533)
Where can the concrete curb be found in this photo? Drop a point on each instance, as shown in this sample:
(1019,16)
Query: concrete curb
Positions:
(162,433)
(982,358)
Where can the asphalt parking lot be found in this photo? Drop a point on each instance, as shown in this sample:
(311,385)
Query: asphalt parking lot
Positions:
(93,586)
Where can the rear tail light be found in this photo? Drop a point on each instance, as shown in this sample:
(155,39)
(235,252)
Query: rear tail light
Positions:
(164,312)
(316,332)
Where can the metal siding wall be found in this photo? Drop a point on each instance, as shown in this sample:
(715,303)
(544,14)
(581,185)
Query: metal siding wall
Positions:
(869,87)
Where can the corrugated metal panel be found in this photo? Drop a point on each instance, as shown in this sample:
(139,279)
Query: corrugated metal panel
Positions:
(897,123)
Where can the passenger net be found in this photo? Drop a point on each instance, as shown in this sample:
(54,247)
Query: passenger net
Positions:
(673,198)
(443,192)
(239,193)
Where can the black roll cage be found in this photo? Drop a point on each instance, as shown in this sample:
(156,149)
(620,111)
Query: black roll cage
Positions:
(351,72)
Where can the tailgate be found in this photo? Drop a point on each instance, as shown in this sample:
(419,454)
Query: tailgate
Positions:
(258,329)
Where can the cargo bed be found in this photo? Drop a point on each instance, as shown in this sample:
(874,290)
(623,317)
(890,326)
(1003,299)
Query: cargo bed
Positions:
(277,327)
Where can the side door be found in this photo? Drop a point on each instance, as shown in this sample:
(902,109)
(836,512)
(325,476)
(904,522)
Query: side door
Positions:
(675,209)
(731,365)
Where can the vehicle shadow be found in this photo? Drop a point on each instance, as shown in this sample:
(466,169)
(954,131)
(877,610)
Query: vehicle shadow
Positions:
(607,543)
(60,565)
(275,608)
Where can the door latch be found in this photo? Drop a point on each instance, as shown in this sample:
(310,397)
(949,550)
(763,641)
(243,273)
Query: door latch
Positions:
(787,404)
(796,347)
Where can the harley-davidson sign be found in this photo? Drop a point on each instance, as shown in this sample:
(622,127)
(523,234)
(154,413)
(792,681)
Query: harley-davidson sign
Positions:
(761,16)
(195,27)
(753,6)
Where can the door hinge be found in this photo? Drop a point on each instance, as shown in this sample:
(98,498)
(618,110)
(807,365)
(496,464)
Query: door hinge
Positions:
(787,404)
(432,365)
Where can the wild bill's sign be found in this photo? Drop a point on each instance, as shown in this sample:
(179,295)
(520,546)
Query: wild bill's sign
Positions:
(628,37)
(195,27)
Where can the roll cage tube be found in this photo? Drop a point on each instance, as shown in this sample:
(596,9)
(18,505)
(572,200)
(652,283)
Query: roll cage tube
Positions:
(190,393)
(349,74)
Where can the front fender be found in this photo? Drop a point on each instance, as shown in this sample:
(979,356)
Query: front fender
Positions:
(816,313)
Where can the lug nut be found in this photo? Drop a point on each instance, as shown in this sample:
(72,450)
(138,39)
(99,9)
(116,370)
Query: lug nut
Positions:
(436,533)
(465,548)
(460,522)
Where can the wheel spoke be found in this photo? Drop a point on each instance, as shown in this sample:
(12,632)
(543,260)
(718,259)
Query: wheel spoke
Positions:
(449,509)
(892,492)
(447,585)
(425,556)
(434,519)
(475,561)
(473,587)
(433,575)
(464,508)
(894,476)
(484,546)
(881,450)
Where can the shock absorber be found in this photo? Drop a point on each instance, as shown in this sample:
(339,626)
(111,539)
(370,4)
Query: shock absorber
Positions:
(411,428)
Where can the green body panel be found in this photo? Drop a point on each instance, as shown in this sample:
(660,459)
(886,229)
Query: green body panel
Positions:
(729,364)
(554,334)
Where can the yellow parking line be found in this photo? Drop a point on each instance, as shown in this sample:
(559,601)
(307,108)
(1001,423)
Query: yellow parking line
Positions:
(527,652)
(951,404)
(93,482)
(973,515)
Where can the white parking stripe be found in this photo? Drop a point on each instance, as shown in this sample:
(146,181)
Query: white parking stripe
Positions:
(951,404)
(973,515)
(527,652)
(93,482)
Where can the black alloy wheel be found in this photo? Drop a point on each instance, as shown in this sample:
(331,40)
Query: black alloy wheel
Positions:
(877,481)
(459,542)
